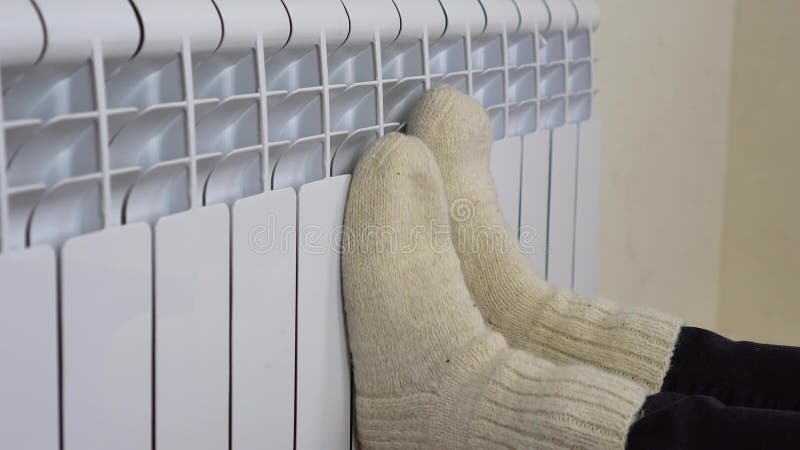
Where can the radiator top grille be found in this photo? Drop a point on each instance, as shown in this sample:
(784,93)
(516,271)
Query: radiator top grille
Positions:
(108,142)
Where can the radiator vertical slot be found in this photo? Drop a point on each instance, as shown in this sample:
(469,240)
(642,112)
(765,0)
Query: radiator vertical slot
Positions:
(504,166)
(192,297)
(587,207)
(506,154)
(4,197)
(534,198)
(263,333)
(263,290)
(561,226)
(106,317)
(29,386)
(323,397)
(323,366)
(192,263)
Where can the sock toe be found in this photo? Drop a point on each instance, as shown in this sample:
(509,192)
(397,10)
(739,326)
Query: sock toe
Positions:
(401,158)
(397,274)
(444,114)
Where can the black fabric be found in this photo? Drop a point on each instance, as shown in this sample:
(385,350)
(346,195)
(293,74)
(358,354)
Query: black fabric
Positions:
(673,421)
(722,394)
(736,373)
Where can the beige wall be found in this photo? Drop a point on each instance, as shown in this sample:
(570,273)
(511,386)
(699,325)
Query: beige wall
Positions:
(700,192)
(760,272)
(664,79)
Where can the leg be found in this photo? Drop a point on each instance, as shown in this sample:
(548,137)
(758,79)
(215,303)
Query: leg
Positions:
(736,373)
(687,422)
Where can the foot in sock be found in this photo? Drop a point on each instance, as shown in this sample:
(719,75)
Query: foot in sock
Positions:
(428,371)
(633,342)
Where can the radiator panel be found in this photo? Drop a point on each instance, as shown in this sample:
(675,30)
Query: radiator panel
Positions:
(29,414)
(263,245)
(535,198)
(561,227)
(192,329)
(106,329)
(323,368)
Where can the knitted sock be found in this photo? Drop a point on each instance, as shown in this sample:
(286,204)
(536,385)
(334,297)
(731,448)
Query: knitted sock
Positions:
(633,342)
(428,372)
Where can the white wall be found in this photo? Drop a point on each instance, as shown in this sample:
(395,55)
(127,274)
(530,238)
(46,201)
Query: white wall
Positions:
(664,76)
(760,268)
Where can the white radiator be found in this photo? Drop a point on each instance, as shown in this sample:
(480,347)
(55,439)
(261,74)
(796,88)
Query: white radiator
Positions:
(173,179)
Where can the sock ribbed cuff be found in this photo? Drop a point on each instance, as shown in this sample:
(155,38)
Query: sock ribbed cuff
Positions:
(497,397)
(633,342)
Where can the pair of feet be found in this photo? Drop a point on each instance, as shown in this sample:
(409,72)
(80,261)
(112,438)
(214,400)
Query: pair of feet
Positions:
(455,341)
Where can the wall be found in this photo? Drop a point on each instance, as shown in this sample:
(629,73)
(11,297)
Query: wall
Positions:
(664,75)
(761,251)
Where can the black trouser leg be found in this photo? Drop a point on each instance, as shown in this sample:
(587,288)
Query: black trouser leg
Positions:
(736,373)
(673,421)
(721,394)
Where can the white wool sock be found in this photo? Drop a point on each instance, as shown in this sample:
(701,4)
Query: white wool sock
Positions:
(428,372)
(633,342)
